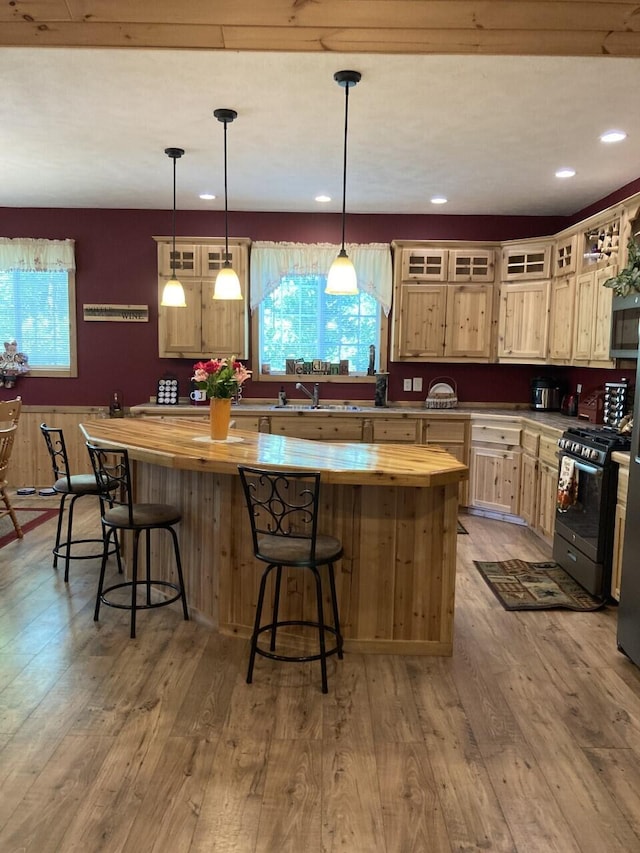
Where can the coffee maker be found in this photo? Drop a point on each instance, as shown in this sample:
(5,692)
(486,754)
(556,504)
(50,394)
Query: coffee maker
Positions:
(546,394)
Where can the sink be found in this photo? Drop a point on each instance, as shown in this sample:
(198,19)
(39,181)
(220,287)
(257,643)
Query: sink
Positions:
(306,407)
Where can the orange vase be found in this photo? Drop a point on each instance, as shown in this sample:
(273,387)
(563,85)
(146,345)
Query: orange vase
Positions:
(219,417)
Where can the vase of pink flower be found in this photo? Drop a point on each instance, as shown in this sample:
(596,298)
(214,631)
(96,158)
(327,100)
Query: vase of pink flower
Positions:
(220,379)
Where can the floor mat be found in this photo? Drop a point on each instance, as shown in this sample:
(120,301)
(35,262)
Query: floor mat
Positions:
(519,585)
(28,519)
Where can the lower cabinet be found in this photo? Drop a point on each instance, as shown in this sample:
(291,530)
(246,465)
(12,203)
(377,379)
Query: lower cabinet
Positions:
(495,465)
(539,480)
(618,533)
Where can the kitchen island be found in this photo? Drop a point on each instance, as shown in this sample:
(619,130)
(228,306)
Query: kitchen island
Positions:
(393,506)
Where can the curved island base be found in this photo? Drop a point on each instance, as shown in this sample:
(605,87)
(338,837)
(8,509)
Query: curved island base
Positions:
(393,506)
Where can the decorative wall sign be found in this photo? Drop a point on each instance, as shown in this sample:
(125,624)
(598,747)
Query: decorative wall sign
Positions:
(116,313)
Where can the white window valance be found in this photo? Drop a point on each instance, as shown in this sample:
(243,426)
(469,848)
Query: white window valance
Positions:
(271,261)
(31,255)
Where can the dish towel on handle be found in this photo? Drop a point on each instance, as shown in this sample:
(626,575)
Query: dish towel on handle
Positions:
(567,484)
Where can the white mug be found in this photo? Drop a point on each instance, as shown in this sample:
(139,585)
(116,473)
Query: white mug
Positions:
(198,396)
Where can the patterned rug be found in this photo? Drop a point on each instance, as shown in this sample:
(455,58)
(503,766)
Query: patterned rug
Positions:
(28,518)
(519,585)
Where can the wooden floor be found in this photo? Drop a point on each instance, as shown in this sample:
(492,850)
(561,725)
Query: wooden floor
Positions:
(527,739)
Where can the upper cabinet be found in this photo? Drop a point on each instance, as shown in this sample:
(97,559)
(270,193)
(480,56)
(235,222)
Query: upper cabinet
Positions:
(565,257)
(526,260)
(523,323)
(592,328)
(443,304)
(206,327)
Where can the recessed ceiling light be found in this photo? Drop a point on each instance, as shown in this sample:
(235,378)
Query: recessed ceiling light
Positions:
(207,196)
(565,172)
(439,199)
(323,198)
(613,136)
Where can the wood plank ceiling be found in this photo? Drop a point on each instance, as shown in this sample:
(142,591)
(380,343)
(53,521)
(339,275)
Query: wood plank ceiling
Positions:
(491,27)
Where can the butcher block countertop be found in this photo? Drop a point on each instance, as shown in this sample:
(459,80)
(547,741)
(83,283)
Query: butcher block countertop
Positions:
(183,444)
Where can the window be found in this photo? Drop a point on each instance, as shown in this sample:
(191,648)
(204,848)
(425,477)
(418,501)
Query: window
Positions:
(298,320)
(37,303)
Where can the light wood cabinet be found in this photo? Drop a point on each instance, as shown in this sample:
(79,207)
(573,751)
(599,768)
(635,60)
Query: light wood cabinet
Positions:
(618,532)
(206,327)
(453,436)
(592,327)
(563,297)
(494,466)
(529,476)
(318,427)
(526,261)
(523,321)
(439,315)
(565,257)
(548,482)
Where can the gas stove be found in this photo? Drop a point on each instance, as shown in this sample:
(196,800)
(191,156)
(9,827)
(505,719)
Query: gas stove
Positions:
(595,445)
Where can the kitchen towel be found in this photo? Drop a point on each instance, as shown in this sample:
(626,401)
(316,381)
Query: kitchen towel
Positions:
(567,484)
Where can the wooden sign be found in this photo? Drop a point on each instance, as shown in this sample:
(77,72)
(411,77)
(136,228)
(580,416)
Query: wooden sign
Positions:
(116,313)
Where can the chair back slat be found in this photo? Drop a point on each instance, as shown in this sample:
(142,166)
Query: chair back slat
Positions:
(7,436)
(10,411)
(281,503)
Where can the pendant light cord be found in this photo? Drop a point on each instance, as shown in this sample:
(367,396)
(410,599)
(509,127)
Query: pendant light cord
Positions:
(226,212)
(344,162)
(173,254)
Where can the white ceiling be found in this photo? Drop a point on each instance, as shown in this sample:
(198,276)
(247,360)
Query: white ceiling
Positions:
(88,128)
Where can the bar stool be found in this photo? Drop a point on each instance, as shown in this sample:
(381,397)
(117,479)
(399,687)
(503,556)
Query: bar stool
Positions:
(74,486)
(283,510)
(113,475)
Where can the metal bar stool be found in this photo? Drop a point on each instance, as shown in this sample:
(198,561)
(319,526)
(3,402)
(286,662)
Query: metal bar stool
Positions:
(72,486)
(283,510)
(113,476)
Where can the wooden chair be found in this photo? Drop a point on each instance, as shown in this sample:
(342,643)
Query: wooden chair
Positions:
(283,511)
(10,411)
(6,445)
(113,475)
(72,486)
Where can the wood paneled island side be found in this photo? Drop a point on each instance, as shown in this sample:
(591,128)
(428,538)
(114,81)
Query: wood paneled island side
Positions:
(393,506)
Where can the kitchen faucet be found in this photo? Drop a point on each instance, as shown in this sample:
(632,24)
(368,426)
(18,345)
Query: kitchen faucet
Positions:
(314,397)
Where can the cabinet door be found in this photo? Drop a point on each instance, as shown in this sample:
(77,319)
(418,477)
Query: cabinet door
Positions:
(468,324)
(547,497)
(476,265)
(179,329)
(495,479)
(526,261)
(524,321)
(529,489)
(424,264)
(561,318)
(603,300)
(565,255)
(583,328)
(420,322)
(187,260)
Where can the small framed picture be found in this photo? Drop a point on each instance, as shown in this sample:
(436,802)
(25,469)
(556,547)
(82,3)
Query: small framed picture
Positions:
(266,369)
(344,367)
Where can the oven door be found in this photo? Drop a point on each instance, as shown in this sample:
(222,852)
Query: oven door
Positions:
(581,521)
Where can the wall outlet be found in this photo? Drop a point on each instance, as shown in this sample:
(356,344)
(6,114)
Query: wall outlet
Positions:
(417,383)
(407,385)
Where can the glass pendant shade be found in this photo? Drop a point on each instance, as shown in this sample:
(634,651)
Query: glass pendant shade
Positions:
(342,279)
(227,284)
(173,295)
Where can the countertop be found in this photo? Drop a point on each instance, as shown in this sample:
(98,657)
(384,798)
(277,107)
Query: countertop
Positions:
(185,444)
(331,408)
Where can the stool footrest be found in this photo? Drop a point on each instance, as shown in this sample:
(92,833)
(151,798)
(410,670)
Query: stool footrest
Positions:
(142,583)
(296,658)
(64,549)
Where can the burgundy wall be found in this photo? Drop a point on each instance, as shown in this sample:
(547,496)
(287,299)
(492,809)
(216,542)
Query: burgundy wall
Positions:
(117,263)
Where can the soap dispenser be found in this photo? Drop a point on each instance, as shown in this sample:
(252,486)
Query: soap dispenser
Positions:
(282,396)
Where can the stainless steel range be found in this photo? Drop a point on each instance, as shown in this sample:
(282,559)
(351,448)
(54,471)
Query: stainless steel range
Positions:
(587,484)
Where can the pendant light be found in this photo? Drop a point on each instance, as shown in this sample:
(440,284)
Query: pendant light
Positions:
(227,284)
(342,277)
(173,293)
